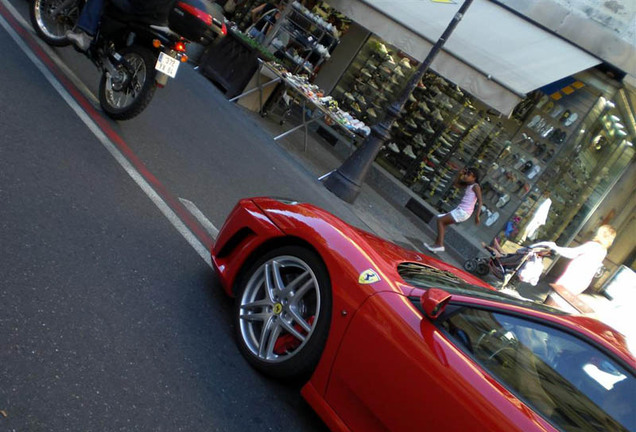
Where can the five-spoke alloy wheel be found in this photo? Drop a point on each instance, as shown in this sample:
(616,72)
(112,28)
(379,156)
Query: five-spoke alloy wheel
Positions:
(283,312)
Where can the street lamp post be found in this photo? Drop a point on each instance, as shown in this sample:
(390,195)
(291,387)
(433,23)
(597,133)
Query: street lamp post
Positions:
(346,181)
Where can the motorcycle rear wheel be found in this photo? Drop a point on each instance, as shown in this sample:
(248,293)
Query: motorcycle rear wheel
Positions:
(51,26)
(125,96)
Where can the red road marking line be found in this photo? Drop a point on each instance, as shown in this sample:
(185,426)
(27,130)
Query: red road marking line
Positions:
(186,217)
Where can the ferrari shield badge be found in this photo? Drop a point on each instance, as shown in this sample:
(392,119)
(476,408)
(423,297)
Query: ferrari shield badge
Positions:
(368,277)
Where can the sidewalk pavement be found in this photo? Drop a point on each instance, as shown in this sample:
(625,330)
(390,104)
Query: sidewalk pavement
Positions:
(377,214)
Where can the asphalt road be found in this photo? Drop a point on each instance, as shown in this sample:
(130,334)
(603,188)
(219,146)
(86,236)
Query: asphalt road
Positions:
(109,319)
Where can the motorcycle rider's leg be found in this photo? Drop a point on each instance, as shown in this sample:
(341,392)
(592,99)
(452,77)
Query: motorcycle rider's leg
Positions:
(87,24)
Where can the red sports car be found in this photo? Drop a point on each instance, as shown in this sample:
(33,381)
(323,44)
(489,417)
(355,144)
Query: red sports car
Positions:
(394,340)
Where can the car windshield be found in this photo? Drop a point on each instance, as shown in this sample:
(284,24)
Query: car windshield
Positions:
(425,277)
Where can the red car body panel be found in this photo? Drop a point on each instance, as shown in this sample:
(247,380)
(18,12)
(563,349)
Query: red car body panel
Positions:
(413,347)
(374,327)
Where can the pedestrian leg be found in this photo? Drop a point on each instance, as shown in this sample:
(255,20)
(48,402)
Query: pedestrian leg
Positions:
(442,223)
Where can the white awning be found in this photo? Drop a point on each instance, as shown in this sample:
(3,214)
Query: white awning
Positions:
(493,54)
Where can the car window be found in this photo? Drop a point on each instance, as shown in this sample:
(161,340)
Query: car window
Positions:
(426,276)
(570,382)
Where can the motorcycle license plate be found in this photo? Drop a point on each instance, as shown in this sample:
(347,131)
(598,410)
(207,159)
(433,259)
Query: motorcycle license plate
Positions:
(167,65)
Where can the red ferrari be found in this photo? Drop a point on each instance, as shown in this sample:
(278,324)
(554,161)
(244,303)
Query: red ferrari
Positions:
(394,340)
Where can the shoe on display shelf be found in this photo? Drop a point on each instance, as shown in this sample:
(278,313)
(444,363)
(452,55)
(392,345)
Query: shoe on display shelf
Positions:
(535,120)
(437,115)
(409,122)
(394,80)
(434,160)
(408,150)
(492,219)
(446,138)
(398,72)
(365,72)
(361,100)
(427,168)
(427,127)
(566,114)
(417,139)
(349,96)
(556,111)
(371,66)
(548,107)
(412,98)
(445,101)
(424,179)
(418,116)
(374,86)
(571,119)
(371,112)
(394,148)
(422,106)
(534,171)
(548,130)
(502,201)
(445,144)
(385,71)
(459,127)
(441,152)
(541,124)
(404,63)
(544,99)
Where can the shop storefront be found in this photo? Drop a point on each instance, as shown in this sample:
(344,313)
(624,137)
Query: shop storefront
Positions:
(567,142)
(547,160)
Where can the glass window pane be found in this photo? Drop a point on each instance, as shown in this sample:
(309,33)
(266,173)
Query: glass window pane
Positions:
(570,382)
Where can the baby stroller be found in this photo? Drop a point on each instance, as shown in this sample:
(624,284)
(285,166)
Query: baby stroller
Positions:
(526,264)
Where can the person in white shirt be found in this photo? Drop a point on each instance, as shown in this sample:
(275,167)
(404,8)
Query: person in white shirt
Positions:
(586,259)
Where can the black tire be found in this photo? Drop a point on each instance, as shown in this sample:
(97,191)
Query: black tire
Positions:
(50,29)
(482,269)
(264,339)
(132,98)
(470,265)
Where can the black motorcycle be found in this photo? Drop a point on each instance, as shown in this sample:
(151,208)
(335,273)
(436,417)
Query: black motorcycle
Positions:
(134,55)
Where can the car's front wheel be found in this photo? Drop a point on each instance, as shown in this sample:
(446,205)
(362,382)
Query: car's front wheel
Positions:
(283,312)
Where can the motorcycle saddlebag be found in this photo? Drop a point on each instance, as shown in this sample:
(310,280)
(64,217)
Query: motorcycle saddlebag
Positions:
(192,19)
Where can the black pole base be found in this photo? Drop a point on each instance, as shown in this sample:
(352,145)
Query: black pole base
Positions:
(342,187)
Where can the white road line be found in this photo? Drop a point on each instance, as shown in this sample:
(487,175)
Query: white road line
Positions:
(107,143)
(198,214)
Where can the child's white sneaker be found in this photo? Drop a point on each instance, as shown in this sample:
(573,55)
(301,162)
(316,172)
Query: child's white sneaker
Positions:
(434,249)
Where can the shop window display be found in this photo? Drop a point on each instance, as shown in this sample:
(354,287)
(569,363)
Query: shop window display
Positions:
(374,79)
(587,170)
(556,142)
(300,38)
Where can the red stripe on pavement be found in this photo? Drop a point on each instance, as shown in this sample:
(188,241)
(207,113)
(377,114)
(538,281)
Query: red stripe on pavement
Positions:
(186,217)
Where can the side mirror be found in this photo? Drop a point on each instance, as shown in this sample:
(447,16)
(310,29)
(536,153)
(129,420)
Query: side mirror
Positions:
(434,301)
